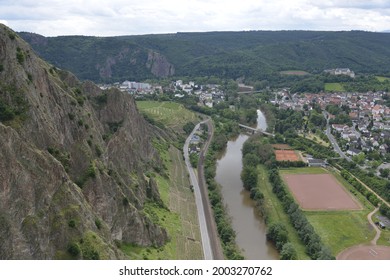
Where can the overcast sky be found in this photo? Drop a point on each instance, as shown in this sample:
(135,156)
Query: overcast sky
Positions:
(129,17)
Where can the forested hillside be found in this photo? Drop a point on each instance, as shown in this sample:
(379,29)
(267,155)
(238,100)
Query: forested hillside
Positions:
(253,55)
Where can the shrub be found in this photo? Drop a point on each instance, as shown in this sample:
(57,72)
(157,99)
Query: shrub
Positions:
(11,35)
(74,249)
(72,223)
(98,223)
(91,171)
(20,55)
(98,150)
(288,252)
(101,99)
(71,116)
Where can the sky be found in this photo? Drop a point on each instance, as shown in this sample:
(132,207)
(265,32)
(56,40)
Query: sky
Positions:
(133,17)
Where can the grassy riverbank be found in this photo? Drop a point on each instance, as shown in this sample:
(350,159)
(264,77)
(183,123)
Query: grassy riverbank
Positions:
(276,214)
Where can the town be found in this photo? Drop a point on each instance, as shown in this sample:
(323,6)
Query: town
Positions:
(208,95)
(365,128)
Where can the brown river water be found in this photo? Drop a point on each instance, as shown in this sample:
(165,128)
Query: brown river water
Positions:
(249,226)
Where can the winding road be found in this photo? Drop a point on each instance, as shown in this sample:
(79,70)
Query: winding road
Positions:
(212,249)
(378,232)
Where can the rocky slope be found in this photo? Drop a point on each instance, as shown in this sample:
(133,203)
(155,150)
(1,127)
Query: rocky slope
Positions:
(73,162)
(105,60)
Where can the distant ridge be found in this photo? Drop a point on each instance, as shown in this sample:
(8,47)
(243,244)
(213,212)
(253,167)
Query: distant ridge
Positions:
(255,55)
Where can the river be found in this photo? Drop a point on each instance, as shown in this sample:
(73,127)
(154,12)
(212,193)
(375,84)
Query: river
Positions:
(248,225)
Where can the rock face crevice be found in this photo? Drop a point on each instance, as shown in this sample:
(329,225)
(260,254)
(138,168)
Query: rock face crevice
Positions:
(72,163)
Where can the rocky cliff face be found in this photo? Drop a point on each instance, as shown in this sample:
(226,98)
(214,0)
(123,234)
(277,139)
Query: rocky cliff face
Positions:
(72,163)
(110,59)
(159,65)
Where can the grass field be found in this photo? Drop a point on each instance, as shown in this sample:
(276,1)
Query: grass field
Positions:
(339,229)
(342,229)
(385,238)
(276,213)
(303,170)
(334,87)
(181,220)
(294,73)
(171,114)
(315,138)
(382,79)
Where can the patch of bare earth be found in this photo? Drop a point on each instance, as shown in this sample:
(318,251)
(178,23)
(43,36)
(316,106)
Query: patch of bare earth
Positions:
(365,252)
(320,192)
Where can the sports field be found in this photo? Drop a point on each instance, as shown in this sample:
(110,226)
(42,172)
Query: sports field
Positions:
(286,155)
(365,252)
(340,225)
(320,192)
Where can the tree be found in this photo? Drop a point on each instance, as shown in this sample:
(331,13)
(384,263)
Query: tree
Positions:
(250,160)
(188,127)
(249,177)
(277,233)
(384,172)
(359,158)
(288,252)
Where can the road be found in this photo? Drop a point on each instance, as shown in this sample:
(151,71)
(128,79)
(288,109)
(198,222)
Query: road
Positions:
(212,248)
(378,232)
(333,141)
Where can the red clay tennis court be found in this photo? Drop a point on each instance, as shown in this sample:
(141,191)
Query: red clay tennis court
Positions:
(286,155)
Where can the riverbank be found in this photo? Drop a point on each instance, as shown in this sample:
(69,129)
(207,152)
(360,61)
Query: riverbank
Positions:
(246,221)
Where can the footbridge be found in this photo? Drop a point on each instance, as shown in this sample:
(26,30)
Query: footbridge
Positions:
(256,130)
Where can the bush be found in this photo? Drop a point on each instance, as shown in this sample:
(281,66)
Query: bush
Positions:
(74,249)
(288,252)
(277,233)
(71,116)
(72,223)
(188,127)
(20,55)
(98,223)
(101,99)
(91,171)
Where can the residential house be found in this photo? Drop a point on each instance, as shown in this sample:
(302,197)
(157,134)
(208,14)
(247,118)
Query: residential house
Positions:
(353,152)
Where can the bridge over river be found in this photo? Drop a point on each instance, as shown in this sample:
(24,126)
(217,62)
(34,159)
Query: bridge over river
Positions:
(256,130)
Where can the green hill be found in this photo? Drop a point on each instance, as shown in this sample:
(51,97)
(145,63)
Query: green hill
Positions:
(254,55)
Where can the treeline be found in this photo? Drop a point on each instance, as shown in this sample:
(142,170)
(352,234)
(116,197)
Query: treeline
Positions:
(367,83)
(380,185)
(253,155)
(255,152)
(314,246)
(385,210)
(287,163)
(360,188)
(311,147)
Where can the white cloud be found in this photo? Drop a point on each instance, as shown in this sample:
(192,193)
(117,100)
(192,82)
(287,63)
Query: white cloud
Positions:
(119,17)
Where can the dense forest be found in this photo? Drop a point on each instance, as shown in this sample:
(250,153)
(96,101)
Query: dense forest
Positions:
(251,56)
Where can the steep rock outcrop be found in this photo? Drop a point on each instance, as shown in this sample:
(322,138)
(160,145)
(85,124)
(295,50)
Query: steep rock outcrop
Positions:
(159,65)
(72,166)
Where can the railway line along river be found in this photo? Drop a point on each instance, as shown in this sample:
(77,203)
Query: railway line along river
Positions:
(248,224)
